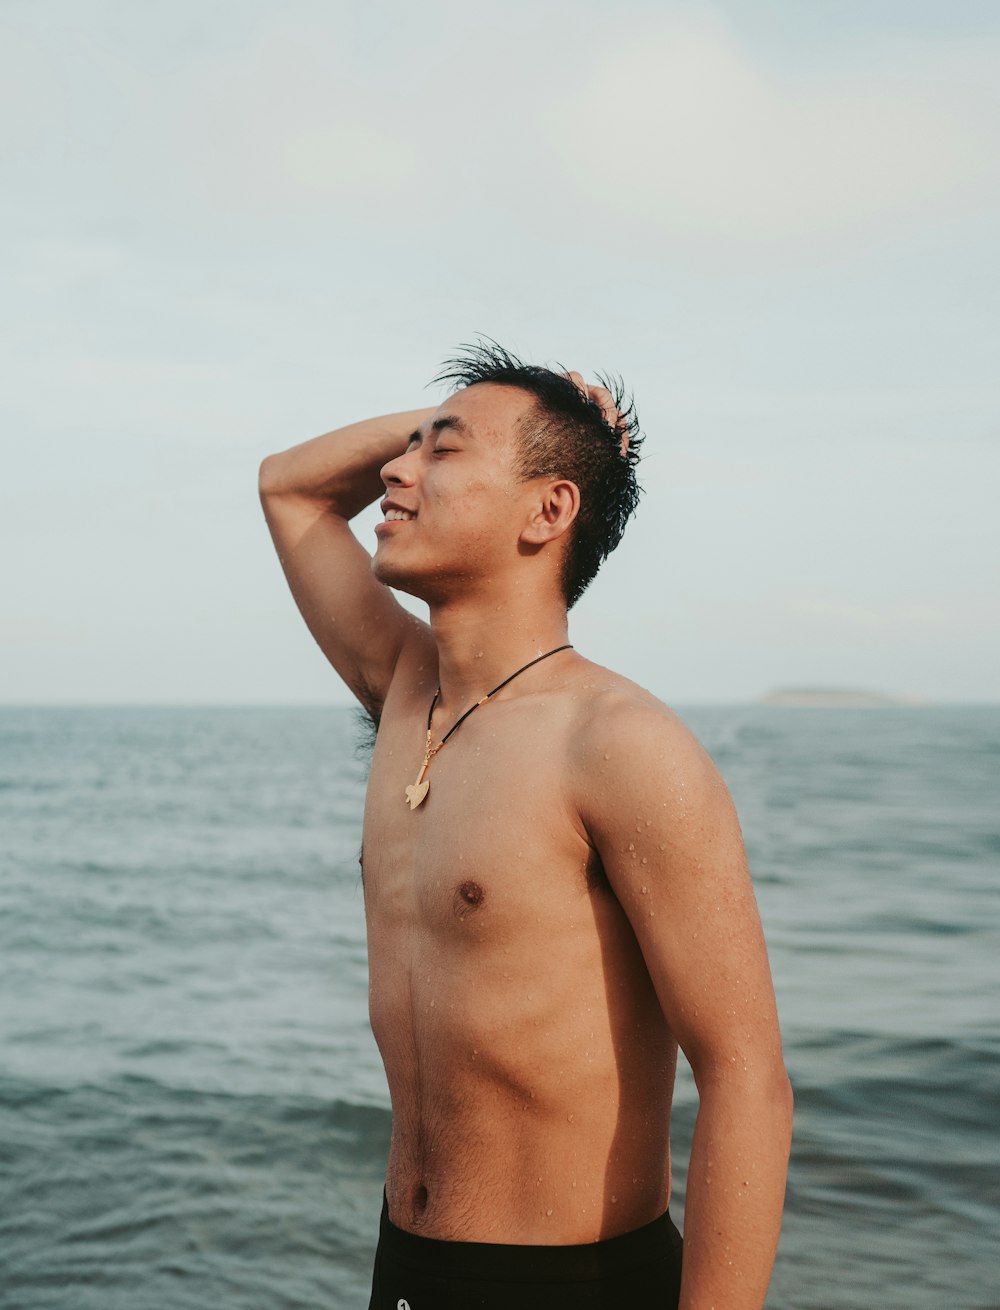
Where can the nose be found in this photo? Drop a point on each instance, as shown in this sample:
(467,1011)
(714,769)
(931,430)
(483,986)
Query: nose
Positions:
(398,472)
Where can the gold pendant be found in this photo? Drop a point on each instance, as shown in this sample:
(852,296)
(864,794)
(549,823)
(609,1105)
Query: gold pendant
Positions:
(416,791)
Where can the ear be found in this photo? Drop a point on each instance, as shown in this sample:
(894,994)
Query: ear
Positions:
(552,513)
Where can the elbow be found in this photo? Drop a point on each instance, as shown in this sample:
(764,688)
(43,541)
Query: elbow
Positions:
(783,1096)
(767,1085)
(775,1090)
(785,1112)
(269,476)
(777,1104)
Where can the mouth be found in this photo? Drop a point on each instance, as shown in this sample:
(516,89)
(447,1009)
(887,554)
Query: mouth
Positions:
(391,515)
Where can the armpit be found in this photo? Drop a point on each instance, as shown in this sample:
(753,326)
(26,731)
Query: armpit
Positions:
(597,879)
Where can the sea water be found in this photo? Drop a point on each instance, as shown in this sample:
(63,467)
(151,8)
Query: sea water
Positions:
(192,1108)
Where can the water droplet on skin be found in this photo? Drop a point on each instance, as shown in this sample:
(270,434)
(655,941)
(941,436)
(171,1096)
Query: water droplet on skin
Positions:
(631,846)
(645,891)
(644,860)
(548,1212)
(607,757)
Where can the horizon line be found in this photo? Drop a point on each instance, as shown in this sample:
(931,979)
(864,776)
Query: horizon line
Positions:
(759,701)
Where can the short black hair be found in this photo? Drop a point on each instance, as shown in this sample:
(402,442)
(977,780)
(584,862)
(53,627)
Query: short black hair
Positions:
(566,435)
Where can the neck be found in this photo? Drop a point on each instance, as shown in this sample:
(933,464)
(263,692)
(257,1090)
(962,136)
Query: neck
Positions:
(481,644)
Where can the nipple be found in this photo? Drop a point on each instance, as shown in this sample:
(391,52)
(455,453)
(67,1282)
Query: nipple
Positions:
(469,895)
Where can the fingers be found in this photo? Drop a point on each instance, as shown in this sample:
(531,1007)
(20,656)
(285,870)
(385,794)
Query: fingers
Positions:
(603,398)
(606,401)
(600,395)
(578,379)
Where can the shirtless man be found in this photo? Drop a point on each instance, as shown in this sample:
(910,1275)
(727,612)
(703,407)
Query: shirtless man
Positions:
(558,896)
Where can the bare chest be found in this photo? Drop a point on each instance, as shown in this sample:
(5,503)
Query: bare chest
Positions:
(492,849)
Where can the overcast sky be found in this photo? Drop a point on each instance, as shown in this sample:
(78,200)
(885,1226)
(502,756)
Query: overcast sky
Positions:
(228,227)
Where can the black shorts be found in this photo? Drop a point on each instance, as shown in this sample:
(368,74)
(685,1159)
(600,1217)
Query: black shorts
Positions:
(637,1269)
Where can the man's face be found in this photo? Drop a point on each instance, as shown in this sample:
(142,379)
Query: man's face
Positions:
(463,504)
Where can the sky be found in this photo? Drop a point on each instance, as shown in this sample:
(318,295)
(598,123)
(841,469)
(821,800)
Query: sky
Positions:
(227,228)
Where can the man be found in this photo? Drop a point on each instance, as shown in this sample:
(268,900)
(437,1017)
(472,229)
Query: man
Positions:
(557,895)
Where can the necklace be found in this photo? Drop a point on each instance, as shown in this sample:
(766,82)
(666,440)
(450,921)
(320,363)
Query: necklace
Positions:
(416,791)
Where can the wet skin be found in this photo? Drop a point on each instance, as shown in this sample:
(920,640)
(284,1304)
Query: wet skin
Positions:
(571,901)
(528,1059)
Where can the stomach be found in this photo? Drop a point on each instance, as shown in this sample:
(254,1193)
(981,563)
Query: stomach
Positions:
(530,1105)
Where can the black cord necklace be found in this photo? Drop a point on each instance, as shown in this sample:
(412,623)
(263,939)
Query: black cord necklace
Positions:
(416,791)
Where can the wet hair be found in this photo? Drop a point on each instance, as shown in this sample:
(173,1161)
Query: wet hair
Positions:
(565,435)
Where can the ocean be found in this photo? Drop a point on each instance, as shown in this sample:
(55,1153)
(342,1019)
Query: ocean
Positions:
(192,1108)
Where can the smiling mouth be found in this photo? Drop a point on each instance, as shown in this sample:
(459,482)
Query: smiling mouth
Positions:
(398,516)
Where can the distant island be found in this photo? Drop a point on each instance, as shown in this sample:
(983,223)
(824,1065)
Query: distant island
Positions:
(822,697)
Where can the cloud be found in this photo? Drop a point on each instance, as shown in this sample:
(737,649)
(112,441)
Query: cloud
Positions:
(677,132)
(848,613)
(682,133)
(286,128)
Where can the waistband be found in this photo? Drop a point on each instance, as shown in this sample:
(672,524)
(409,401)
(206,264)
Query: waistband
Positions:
(653,1242)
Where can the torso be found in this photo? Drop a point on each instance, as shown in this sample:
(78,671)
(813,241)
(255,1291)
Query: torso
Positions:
(528,1061)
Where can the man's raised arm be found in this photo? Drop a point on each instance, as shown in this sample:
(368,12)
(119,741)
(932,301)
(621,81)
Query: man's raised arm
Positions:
(309,493)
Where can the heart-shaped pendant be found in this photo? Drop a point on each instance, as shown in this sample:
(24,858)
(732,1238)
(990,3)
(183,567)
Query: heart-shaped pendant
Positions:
(416,792)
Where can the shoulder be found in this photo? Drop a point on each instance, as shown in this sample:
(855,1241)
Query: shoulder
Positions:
(629,749)
(621,726)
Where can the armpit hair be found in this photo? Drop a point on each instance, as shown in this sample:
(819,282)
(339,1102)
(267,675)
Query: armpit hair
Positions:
(367,717)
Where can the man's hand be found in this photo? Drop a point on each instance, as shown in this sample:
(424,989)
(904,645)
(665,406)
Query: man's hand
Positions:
(605,402)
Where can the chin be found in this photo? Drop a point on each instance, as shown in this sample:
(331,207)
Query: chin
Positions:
(437,588)
(399,578)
